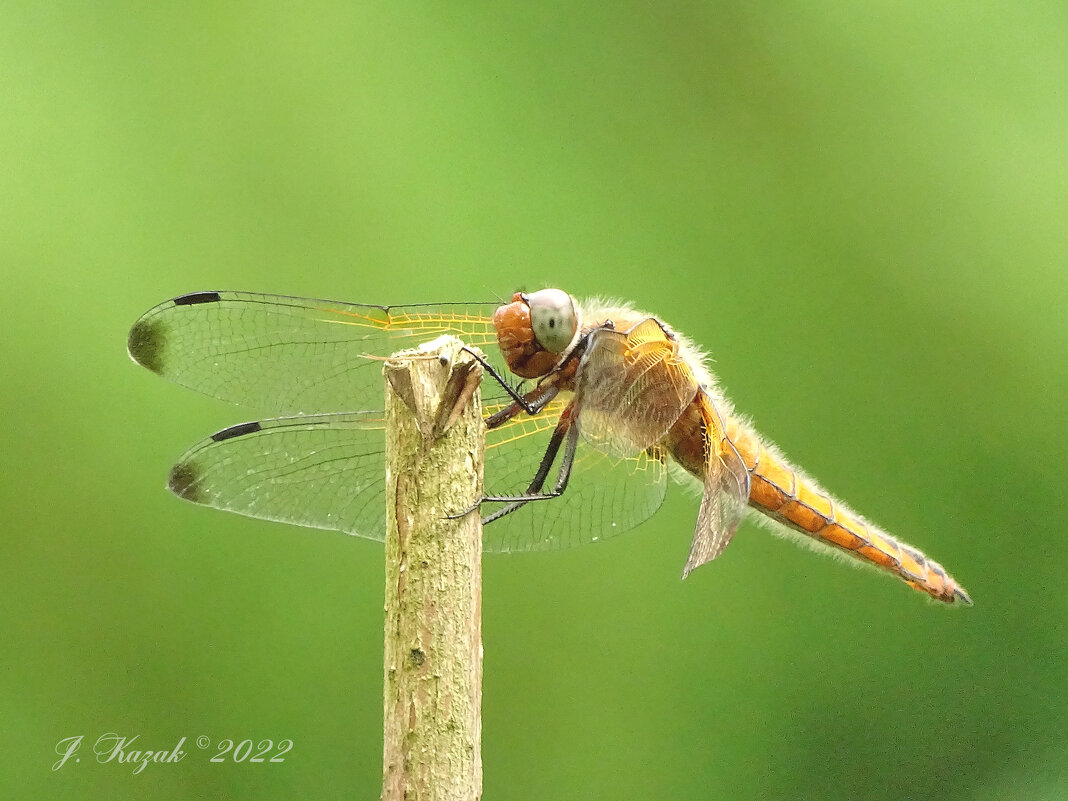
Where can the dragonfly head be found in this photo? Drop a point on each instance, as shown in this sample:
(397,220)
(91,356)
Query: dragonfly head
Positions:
(536,330)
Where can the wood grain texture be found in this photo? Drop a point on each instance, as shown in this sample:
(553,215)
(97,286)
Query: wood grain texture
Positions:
(433,638)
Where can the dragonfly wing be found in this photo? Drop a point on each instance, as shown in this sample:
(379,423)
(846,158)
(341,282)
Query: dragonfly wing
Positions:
(726,493)
(324,471)
(631,387)
(285,355)
(607,493)
(328,471)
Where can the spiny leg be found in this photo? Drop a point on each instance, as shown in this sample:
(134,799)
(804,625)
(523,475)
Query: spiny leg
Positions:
(519,402)
(533,402)
(566,427)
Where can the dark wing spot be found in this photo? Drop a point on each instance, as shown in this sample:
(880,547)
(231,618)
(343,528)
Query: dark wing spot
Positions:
(183,482)
(145,345)
(193,298)
(236,431)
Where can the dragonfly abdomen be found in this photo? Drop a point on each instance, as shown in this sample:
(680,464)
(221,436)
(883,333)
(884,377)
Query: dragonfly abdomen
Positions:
(785,495)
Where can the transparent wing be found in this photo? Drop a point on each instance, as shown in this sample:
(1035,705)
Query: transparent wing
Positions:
(328,471)
(285,355)
(607,495)
(632,386)
(325,471)
(726,492)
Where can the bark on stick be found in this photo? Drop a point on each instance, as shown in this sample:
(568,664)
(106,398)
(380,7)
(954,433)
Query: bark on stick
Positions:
(433,630)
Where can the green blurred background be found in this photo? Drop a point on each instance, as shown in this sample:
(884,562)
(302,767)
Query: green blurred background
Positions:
(862,212)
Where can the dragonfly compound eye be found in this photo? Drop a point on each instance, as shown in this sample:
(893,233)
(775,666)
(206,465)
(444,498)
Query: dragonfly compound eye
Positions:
(553,319)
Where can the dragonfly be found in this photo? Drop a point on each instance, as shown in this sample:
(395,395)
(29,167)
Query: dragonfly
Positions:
(610,402)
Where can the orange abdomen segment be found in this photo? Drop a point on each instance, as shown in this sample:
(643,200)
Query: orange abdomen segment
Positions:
(780,492)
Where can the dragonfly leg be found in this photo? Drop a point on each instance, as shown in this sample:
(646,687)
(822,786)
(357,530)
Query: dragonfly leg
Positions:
(536,400)
(563,428)
(520,401)
(534,491)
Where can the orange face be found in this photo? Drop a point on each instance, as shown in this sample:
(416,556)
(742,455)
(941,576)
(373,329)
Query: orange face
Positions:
(526,357)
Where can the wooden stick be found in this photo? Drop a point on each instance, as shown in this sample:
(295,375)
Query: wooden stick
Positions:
(435,440)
